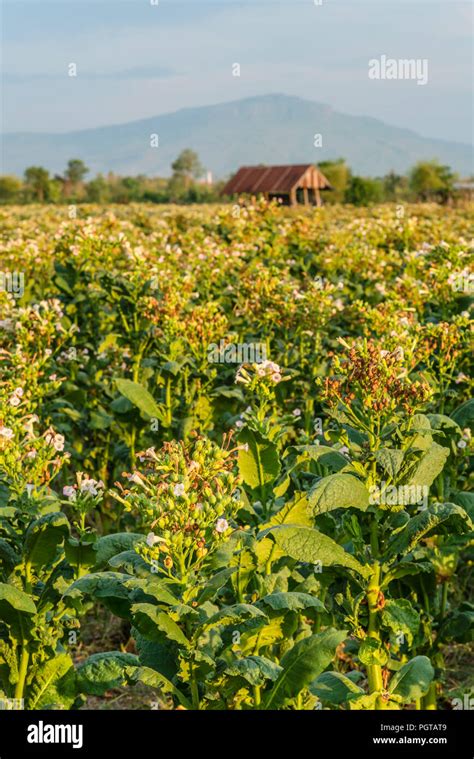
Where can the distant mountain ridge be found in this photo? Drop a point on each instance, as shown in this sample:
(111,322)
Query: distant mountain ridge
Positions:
(270,129)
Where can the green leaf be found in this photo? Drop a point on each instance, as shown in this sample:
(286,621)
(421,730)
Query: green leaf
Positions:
(111,545)
(139,396)
(413,679)
(54,684)
(338,491)
(458,626)
(400,617)
(79,553)
(391,460)
(428,466)
(157,625)
(234,615)
(158,656)
(154,679)
(143,588)
(367,702)
(103,671)
(107,587)
(372,652)
(324,455)
(293,601)
(14,602)
(310,546)
(8,556)
(296,512)
(43,537)
(302,664)
(406,569)
(214,585)
(335,688)
(260,464)
(255,669)
(424,523)
(131,563)
(464,415)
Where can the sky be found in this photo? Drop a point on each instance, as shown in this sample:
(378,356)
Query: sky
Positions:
(135,59)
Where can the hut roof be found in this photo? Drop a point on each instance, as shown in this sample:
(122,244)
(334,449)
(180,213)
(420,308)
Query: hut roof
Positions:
(275,179)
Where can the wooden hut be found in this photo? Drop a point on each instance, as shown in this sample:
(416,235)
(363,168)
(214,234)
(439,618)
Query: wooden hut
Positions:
(293,184)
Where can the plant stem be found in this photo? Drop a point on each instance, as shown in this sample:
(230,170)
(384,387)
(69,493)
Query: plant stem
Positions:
(194,690)
(429,701)
(444,599)
(374,671)
(256,696)
(23,669)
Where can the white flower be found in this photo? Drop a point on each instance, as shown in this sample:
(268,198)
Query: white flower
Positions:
(151,539)
(58,442)
(398,353)
(18,391)
(6,432)
(239,424)
(462,444)
(69,492)
(14,400)
(91,486)
(31,454)
(29,489)
(296,412)
(276,377)
(222,525)
(179,489)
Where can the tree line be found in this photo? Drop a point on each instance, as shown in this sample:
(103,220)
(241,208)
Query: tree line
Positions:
(426,181)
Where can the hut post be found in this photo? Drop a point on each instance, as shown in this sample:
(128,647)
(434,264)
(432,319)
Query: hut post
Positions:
(293,197)
(305,196)
(317,195)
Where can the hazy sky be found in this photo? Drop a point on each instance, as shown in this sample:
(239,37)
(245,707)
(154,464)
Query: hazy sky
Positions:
(136,60)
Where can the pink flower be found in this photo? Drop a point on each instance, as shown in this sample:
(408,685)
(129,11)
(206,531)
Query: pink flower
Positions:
(222,525)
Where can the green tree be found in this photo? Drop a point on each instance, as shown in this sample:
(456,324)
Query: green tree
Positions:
(37,183)
(186,168)
(430,180)
(98,190)
(395,186)
(10,189)
(338,173)
(362,191)
(76,171)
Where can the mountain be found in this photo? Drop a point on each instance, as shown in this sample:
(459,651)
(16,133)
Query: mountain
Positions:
(269,129)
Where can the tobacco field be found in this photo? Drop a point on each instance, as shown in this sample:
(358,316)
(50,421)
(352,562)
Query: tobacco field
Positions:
(235,457)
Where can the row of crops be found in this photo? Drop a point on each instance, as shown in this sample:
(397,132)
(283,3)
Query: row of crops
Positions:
(243,434)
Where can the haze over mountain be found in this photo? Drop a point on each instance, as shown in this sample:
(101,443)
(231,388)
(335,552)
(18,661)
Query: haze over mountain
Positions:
(270,129)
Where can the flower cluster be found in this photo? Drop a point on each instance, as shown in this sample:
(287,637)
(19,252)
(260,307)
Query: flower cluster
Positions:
(375,380)
(185,498)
